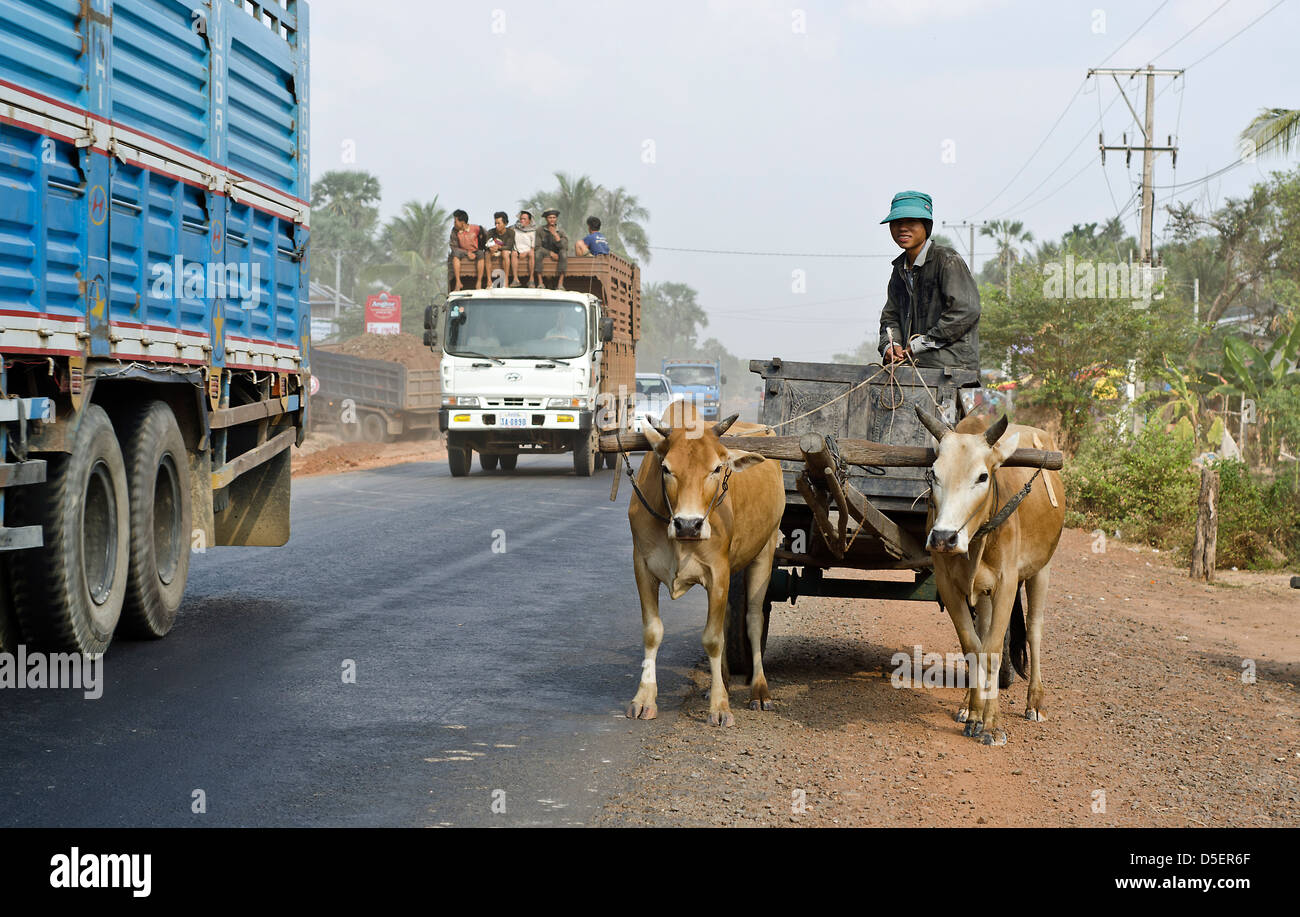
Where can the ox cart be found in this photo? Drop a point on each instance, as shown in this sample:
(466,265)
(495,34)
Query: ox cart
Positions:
(854,455)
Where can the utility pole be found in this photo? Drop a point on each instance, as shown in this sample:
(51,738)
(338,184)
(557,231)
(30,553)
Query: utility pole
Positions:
(1147,147)
(971,227)
(338,282)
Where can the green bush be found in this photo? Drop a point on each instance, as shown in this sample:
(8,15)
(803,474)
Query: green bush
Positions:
(1147,488)
(1259,520)
(1143,486)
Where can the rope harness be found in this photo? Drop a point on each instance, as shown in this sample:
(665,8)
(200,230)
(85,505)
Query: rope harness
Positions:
(1001,515)
(718,495)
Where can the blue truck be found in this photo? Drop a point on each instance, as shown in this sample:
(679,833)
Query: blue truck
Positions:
(154,319)
(699,380)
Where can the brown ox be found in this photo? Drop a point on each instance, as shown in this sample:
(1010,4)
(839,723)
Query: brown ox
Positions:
(711,510)
(983,570)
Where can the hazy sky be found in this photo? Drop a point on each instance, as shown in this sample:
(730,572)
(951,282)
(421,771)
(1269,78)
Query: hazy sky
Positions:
(787,127)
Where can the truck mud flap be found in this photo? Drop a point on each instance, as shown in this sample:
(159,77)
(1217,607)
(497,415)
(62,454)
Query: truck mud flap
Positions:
(257,509)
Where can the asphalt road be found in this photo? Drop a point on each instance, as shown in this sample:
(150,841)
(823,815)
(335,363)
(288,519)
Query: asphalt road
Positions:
(482,676)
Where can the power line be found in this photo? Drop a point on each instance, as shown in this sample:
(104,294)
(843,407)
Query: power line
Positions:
(719,251)
(1235,34)
(1062,115)
(1190,31)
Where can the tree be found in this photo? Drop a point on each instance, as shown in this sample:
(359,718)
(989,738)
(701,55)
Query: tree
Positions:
(576,197)
(1274,131)
(1007,234)
(671,319)
(622,216)
(345,214)
(416,267)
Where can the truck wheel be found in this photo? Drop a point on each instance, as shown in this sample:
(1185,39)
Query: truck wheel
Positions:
(584,455)
(458,461)
(737,655)
(508,462)
(11,633)
(373,429)
(69,593)
(487,462)
(158,483)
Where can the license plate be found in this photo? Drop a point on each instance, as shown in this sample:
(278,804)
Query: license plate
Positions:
(512,419)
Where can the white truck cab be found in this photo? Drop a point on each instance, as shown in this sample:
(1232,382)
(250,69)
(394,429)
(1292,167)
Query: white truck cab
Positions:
(521,373)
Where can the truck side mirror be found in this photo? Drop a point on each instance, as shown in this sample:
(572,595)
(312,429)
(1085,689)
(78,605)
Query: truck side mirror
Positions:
(606,329)
(430,332)
(724,380)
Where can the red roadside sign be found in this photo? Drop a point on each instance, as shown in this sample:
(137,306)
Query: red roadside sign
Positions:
(383,314)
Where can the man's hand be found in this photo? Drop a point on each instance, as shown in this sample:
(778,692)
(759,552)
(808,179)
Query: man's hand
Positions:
(896,353)
(472,256)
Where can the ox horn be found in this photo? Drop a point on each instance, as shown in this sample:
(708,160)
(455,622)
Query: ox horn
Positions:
(722,426)
(936,426)
(994,433)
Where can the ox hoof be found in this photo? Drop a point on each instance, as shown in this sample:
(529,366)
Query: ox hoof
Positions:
(722,718)
(637,711)
(993,737)
(756,704)
(1036,715)
(973,729)
(963,714)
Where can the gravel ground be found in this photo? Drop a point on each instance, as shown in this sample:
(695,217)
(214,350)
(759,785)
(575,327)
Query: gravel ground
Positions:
(1150,721)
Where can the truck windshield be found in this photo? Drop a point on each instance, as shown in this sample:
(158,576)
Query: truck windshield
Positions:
(691,375)
(517,328)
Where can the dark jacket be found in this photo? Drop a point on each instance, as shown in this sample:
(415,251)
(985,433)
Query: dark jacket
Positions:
(946,306)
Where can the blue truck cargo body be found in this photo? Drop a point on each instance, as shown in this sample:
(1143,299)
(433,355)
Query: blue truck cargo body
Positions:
(154,225)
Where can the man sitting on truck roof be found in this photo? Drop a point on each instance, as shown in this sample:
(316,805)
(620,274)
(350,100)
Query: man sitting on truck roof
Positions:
(552,245)
(594,242)
(500,246)
(525,242)
(932,309)
(466,244)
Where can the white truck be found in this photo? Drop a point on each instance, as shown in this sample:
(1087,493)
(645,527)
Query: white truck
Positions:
(538,371)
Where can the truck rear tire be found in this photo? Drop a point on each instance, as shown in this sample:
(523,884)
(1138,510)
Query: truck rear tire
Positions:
(487,462)
(158,483)
(11,633)
(584,455)
(458,461)
(374,429)
(69,593)
(509,461)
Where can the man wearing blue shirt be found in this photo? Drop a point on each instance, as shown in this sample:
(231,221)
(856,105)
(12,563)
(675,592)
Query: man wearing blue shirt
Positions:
(594,242)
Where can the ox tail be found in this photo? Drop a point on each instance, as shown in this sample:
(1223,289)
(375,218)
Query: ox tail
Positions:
(1018,645)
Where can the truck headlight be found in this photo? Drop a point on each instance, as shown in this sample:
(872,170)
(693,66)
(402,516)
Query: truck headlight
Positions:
(579,403)
(460,401)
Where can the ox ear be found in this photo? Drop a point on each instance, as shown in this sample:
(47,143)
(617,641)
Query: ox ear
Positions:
(1003,448)
(739,461)
(936,426)
(722,426)
(994,432)
(658,438)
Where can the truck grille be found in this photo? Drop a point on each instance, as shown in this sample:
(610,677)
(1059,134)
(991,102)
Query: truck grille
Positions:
(514,402)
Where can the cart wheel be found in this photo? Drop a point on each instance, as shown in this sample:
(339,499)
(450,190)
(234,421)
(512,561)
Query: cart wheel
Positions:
(737,655)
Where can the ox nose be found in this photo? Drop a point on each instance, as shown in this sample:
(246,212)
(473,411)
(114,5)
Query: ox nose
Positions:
(687,526)
(942,540)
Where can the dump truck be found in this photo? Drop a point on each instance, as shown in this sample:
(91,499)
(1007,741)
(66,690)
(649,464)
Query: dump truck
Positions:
(699,380)
(374,399)
(154,323)
(538,371)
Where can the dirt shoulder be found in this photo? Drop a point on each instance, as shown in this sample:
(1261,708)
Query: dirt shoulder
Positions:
(322,453)
(1146,704)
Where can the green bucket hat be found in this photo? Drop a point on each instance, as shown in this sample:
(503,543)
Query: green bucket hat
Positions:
(910,205)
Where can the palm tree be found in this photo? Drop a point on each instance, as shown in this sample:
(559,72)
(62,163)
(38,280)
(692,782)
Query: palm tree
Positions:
(416,267)
(1007,234)
(1274,131)
(621,217)
(576,199)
